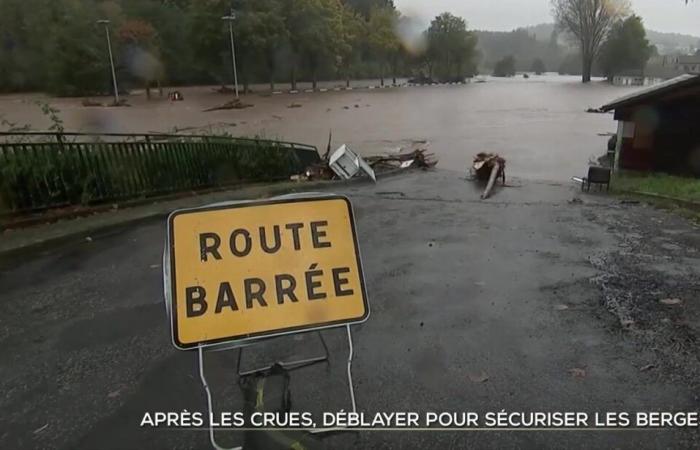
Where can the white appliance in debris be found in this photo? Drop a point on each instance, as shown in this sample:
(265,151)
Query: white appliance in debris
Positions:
(347,164)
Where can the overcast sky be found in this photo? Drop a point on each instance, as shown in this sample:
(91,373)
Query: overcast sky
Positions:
(659,15)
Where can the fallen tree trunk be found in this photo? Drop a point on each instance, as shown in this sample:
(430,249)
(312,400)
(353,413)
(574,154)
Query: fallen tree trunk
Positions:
(492,179)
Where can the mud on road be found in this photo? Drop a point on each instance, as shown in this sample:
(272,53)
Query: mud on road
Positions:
(650,283)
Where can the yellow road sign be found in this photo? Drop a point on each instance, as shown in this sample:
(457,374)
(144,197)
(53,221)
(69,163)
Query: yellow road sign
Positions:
(263,268)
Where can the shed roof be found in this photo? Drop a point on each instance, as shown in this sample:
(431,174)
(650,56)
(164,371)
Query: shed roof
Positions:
(657,90)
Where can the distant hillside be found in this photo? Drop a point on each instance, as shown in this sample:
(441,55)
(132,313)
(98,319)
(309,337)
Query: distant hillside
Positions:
(666,43)
(521,44)
(673,42)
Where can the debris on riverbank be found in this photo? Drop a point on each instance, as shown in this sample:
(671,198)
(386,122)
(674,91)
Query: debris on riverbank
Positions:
(233,104)
(489,167)
(378,164)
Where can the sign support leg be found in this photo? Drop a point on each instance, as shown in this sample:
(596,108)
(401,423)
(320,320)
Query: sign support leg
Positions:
(210,404)
(351,352)
(350,355)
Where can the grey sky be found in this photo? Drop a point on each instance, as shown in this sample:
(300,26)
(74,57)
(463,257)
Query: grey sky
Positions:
(659,15)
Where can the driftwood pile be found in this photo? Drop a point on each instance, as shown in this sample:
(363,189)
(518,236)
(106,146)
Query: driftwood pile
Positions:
(489,167)
(233,104)
(418,158)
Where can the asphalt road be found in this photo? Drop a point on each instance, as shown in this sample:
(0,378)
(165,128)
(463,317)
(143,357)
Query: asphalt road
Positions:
(526,302)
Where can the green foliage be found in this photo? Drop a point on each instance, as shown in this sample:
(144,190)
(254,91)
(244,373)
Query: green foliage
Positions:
(496,45)
(314,32)
(538,66)
(381,36)
(53,115)
(76,58)
(626,48)
(38,175)
(261,31)
(364,7)
(589,22)
(661,184)
(208,39)
(58,47)
(505,67)
(451,48)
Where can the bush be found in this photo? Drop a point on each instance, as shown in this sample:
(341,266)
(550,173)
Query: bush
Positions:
(505,67)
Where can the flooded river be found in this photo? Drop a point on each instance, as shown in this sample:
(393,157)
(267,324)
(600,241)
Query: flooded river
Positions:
(539,124)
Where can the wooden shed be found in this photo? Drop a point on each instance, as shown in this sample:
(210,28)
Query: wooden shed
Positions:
(659,127)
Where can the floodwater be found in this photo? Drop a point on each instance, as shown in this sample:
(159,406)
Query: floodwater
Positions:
(538,124)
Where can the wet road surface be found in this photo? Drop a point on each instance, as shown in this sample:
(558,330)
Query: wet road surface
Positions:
(476,306)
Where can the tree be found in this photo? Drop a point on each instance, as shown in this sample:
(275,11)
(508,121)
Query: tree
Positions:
(313,34)
(505,67)
(260,32)
(381,36)
(208,40)
(521,42)
(77,62)
(538,66)
(626,48)
(364,7)
(451,47)
(139,38)
(352,31)
(589,22)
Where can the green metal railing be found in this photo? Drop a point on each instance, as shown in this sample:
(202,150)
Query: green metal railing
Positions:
(48,170)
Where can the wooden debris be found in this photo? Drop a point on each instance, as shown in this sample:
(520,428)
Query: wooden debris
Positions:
(90,102)
(417,158)
(489,167)
(233,104)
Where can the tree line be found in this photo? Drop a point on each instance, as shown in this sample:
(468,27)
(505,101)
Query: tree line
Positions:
(608,36)
(591,37)
(59,47)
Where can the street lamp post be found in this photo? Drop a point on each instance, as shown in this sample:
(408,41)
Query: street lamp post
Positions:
(111,60)
(230,18)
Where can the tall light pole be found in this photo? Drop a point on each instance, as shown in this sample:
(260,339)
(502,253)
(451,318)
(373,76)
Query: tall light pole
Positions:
(230,18)
(111,60)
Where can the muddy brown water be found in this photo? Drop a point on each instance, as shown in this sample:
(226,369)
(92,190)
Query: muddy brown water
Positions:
(539,124)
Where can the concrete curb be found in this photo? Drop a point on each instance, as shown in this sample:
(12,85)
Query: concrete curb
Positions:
(679,201)
(33,240)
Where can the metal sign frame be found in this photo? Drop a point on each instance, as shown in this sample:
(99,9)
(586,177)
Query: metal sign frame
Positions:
(239,342)
(295,365)
(170,281)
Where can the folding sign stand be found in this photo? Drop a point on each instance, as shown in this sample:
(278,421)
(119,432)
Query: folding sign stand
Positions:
(320,236)
(290,365)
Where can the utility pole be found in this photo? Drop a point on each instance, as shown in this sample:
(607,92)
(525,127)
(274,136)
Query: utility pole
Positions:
(230,18)
(111,60)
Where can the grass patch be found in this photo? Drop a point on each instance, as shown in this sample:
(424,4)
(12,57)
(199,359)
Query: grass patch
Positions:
(660,184)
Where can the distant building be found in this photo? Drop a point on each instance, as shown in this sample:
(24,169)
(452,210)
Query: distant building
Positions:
(636,78)
(685,63)
(658,127)
(658,69)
